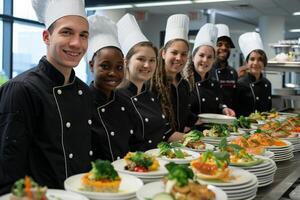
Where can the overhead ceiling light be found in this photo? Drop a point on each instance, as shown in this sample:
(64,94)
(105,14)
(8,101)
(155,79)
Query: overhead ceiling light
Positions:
(296,13)
(294,30)
(110,7)
(210,1)
(168,3)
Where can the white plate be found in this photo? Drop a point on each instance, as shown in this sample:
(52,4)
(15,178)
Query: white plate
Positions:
(149,190)
(216,118)
(238,177)
(53,194)
(207,147)
(192,156)
(128,187)
(245,187)
(268,154)
(120,164)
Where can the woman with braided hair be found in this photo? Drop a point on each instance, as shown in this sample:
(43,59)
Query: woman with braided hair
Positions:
(173,90)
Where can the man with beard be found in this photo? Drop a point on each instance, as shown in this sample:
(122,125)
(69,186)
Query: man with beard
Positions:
(221,71)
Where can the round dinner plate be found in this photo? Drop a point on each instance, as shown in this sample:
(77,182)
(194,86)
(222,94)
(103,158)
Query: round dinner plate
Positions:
(151,189)
(54,194)
(192,156)
(237,177)
(128,187)
(216,118)
(207,147)
(119,166)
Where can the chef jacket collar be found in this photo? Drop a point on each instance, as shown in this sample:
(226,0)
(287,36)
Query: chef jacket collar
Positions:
(252,78)
(100,96)
(132,87)
(198,77)
(218,63)
(56,76)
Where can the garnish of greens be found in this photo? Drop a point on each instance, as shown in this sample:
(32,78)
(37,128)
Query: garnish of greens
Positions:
(180,173)
(193,135)
(235,149)
(221,158)
(221,129)
(241,122)
(141,159)
(103,169)
(170,149)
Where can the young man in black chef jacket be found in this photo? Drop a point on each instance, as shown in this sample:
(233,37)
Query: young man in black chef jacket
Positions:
(45,112)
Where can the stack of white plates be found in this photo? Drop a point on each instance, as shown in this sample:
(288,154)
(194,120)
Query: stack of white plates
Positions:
(295,142)
(241,186)
(216,118)
(128,187)
(215,141)
(268,154)
(146,177)
(264,171)
(149,190)
(186,160)
(282,153)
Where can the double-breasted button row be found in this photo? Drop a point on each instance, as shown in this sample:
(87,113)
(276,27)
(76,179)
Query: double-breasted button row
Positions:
(79,92)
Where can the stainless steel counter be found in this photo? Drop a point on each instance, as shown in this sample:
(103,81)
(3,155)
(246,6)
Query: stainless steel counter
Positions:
(287,174)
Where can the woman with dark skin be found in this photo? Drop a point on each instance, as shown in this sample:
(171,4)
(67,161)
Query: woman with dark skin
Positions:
(254,90)
(112,125)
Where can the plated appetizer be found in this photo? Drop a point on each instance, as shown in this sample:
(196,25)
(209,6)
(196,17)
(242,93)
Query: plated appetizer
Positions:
(179,185)
(217,130)
(238,155)
(171,150)
(241,122)
(193,140)
(140,162)
(251,147)
(212,165)
(28,189)
(102,178)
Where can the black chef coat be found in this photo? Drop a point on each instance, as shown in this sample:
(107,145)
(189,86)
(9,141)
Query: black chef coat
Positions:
(152,122)
(113,124)
(45,127)
(180,97)
(253,95)
(227,78)
(206,95)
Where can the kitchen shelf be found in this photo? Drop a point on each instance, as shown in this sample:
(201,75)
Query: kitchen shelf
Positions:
(283,66)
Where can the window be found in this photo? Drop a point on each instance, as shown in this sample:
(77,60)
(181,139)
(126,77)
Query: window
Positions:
(23,9)
(1,6)
(28,47)
(3,77)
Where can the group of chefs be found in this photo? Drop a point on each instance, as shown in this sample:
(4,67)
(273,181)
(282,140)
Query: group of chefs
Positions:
(52,124)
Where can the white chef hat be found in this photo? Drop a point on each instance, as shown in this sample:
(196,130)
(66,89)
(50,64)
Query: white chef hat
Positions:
(207,35)
(177,27)
(103,33)
(223,32)
(48,11)
(129,33)
(250,41)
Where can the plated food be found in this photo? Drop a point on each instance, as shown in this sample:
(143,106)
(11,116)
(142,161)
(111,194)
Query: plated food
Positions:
(179,185)
(239,155)
(217,130)
(171,150)
(140,162)
(27,189)
(102,178)
(192,140)
(212,165)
